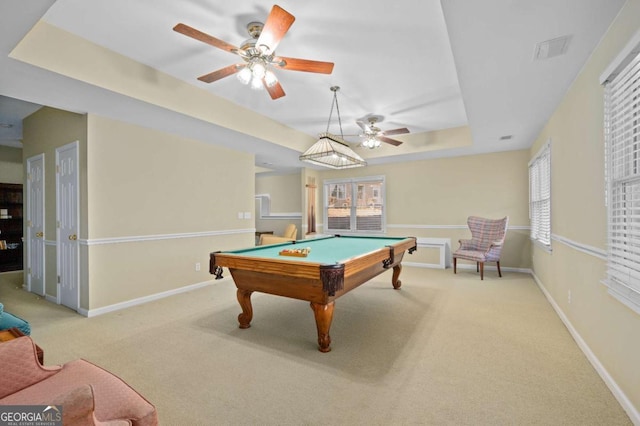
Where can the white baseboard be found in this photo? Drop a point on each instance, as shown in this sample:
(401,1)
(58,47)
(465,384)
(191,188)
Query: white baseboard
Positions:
(141,300)
(626,404)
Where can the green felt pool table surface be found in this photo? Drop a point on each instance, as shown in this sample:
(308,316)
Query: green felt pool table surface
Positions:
(324,250)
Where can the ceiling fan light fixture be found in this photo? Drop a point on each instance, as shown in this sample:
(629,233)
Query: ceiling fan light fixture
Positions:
(258,51)
(259,69)
(371,143)
(256,83)
(270,78)
(245,75)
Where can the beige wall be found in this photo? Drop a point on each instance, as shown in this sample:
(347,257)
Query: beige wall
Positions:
(433,198)
(10,165)
(285,195)
(578,216)
(152,205)
(171,200)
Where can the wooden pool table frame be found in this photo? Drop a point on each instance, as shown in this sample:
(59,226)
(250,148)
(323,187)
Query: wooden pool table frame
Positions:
(319,284)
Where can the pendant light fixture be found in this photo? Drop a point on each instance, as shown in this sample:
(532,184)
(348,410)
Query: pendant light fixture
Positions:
(331,150)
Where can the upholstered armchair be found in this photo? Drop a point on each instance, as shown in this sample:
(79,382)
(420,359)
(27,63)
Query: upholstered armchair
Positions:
(485,245)
(290,233)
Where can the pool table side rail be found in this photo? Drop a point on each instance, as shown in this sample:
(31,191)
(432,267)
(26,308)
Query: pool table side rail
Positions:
(333,277)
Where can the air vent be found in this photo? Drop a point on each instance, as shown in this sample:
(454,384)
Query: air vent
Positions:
(550,48)
(506,137)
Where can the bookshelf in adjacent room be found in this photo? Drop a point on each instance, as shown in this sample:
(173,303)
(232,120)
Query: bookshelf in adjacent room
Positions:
(11,214)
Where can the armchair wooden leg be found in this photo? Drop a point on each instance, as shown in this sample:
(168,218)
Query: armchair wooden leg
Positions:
(499,273)
(455,261)
(481,270)
(477,266)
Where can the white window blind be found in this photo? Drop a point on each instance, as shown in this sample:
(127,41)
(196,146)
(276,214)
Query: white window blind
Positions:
(354,205)
(540,196)
(622,132)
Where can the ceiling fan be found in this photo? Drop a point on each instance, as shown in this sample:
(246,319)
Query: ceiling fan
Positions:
(373,135)
(258,53)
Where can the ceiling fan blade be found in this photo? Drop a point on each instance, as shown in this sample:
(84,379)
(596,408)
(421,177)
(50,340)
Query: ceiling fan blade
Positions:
(221,73)
(276,91)
(363,125)
(389,140)
(295,64)
(395,131)
(205,38)
(276,26)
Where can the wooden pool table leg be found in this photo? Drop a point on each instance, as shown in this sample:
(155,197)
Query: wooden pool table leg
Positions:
(396,273)
(324,315)
(244,298)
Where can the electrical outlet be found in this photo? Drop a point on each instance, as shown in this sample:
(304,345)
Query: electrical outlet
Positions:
(569,296)
(197,266)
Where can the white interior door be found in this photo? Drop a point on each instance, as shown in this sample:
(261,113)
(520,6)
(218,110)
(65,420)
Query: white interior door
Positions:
(67,190)
(35,224)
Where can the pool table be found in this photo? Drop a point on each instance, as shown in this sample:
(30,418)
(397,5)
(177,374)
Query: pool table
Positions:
(334,266)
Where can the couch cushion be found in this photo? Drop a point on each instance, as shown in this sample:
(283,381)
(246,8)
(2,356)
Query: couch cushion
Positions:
(20,366)
(114,399)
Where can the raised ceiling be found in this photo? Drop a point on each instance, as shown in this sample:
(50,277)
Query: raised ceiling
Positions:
(460,75)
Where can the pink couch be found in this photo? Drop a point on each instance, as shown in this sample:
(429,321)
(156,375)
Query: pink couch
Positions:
(88,394)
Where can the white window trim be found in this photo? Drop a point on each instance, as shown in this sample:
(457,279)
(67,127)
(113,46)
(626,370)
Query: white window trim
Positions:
(544,150)
(355,181)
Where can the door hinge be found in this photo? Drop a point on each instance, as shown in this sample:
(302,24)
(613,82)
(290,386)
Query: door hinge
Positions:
(57,168)
(29,271)
(58,279)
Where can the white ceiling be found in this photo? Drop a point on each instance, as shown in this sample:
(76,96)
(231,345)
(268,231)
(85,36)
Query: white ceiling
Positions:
(426,65)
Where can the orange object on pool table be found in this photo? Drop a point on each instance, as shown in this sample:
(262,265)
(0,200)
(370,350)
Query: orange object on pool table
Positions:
(333,266)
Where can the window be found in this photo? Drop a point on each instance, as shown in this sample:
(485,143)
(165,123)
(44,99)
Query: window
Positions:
(540,196)
(622,134)
(363,213)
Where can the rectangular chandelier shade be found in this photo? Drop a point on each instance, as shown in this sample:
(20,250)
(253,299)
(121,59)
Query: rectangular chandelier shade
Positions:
(331,151)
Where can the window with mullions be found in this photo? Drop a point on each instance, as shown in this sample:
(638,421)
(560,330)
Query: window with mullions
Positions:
(622,131)
(361,214)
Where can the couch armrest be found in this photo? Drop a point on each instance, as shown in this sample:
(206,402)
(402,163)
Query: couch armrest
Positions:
(77,406)
(466,244)
(20,364)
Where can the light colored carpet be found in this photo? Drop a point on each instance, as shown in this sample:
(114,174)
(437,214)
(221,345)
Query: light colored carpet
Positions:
(444,350)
